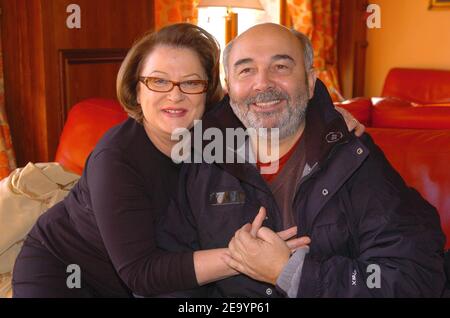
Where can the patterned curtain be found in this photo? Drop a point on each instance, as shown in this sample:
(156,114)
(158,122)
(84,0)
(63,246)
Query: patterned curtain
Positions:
(7,160)
(173,11)
(319,19)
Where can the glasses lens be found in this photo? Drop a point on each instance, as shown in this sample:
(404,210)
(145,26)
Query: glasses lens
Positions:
(193,87)
(159,84)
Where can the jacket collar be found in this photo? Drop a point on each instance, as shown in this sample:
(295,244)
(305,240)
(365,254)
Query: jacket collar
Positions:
(325,127)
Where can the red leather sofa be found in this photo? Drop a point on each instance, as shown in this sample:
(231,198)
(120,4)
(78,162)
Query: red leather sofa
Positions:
(411,98)
(86,123)
(420,156)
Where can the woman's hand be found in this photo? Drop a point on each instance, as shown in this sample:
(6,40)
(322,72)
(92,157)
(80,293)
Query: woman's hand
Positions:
(351,121)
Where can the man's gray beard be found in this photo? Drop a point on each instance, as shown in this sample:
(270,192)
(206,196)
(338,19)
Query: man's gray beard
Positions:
(289,119)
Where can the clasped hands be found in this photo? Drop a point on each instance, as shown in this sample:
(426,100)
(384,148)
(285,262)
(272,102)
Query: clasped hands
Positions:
(259,252)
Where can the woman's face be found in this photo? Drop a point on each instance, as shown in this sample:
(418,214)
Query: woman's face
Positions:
(166,111)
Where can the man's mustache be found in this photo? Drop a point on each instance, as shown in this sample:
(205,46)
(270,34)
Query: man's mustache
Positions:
(266,96)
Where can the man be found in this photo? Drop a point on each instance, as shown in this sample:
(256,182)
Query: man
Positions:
(366,233)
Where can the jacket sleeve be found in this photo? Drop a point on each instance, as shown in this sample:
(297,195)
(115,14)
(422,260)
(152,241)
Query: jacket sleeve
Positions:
(399,237)
(126,216)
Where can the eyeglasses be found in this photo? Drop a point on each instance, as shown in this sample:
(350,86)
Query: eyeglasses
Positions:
(162,85)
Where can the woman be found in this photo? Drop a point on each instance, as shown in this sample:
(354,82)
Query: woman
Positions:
(103,232)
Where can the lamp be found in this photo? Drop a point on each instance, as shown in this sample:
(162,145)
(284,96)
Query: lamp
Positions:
(231,20)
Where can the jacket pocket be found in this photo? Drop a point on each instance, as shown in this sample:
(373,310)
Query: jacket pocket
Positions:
(331,238)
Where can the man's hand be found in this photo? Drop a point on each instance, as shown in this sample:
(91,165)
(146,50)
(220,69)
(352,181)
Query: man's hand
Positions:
(259,252)
(351,121)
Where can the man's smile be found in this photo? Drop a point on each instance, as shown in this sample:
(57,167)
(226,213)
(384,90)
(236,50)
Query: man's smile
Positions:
(264,107)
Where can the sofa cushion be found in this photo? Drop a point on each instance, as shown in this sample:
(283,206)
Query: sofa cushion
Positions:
(397,113)
(421,86)
(85,125)
(422,159)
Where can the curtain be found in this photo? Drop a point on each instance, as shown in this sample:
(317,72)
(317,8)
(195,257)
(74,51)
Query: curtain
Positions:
(319,19)
(173,11)
(7,160)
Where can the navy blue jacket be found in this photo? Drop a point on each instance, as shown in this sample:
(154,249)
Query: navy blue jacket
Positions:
(355,207)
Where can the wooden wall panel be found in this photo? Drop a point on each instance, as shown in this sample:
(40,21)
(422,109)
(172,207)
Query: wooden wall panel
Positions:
(88,73)
(24,77)
(36,39)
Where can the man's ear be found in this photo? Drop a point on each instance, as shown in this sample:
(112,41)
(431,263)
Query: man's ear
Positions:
(312,77)
(227,87)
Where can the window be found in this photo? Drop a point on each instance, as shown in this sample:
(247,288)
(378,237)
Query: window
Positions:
(212,19)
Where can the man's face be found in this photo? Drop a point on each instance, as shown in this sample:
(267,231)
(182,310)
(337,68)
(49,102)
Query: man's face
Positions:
(266,80)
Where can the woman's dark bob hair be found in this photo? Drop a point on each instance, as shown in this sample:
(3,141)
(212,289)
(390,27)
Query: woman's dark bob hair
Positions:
(182,35)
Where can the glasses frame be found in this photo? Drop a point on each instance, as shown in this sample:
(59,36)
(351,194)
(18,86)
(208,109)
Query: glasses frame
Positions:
(143,80)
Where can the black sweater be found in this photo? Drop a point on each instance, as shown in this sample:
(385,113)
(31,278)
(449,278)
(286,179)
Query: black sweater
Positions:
(107,223)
